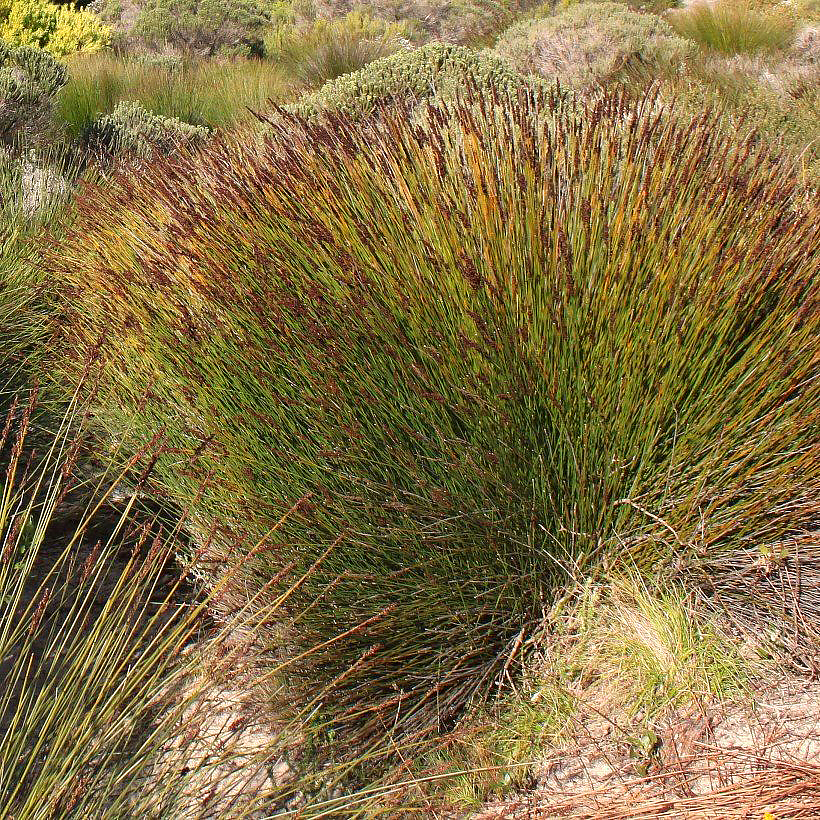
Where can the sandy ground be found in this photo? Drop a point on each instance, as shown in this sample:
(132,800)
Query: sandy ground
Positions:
(756,759)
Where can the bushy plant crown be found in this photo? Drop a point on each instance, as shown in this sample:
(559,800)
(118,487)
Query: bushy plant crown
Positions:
(59,30)
(584,42)
(435,70)
(131,130)
(29,80)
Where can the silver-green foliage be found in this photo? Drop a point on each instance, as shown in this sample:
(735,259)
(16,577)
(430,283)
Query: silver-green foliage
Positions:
(435,70)
(29,81)
(131,130)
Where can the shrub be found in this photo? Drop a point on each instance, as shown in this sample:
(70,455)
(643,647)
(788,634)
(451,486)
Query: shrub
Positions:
(326,50)
(130,130)
(443,371)
(431,71)
(60,30)
(585,42)
(29,81)
(204,27)
(461,22)
(733,27)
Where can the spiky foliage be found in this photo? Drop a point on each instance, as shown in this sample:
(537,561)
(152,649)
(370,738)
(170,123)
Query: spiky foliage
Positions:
(102,712)
(130,130)
(431,71)
(325,50)
(200,92)
(482,357)
(25,202)
(29,80)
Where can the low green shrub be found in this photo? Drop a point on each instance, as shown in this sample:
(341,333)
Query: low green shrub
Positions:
(585,42)
(29,81)
(325,50)
(60,30)
(130,130)
(734,27)
(440,372)
(432,71)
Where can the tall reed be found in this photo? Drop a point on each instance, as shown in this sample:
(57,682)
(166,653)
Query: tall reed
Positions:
(480,356)
(209,92)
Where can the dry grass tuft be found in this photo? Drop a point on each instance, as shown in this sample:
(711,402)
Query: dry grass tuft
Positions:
(734,27)
(587,41)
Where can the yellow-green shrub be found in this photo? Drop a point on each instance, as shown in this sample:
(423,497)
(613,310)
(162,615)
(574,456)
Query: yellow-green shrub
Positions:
(60,30)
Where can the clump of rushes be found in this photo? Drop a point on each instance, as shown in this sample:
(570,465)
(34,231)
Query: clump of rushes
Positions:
(478,359)
(732,27)
(102,696)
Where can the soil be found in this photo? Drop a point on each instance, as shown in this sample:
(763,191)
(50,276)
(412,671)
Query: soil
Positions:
(757,758)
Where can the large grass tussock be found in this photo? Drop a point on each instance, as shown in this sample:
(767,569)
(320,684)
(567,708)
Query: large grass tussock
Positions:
(440,369)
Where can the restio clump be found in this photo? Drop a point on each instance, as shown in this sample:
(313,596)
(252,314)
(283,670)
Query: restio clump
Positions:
(432,71)
(419,379)
(29,81)
(131,131)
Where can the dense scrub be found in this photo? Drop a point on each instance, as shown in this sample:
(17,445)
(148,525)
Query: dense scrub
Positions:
(433,71)
(59,29)
(437,371)
(204,28)
(584,42)
(462,22)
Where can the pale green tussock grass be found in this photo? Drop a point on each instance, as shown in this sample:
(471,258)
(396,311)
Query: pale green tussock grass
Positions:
(652,651)
(216,93)
(733,27)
